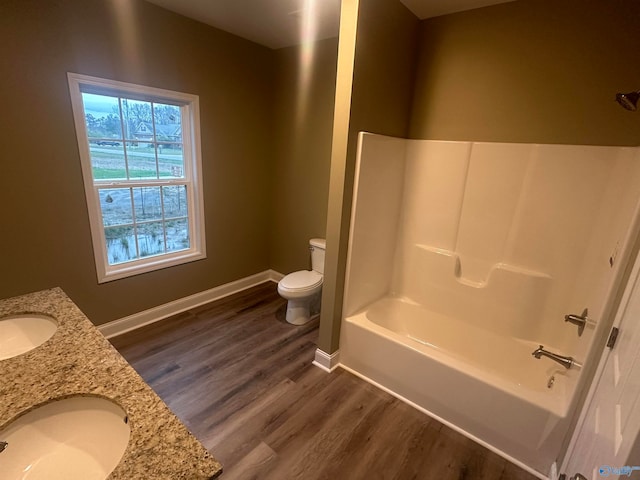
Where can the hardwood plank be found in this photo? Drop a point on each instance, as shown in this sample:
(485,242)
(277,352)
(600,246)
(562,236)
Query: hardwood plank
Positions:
(231,447)
(241,379)
(253,465)
(412,435)
(305,442)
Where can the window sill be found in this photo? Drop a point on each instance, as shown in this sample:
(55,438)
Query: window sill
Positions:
(117,272)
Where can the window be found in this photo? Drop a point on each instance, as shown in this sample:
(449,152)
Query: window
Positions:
(140,153)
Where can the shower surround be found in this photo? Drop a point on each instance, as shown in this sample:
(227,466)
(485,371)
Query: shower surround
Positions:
(464,258)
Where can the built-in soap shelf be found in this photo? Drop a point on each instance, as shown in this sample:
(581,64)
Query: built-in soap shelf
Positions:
(451,263)
(509,295)
(454,263)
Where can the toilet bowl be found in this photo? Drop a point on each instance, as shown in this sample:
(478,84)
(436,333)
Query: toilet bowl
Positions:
(302,289)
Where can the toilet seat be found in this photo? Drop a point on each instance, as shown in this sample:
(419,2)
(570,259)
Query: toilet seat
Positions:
(301,281)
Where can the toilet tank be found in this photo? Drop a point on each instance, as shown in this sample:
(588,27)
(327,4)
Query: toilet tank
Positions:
(317,247)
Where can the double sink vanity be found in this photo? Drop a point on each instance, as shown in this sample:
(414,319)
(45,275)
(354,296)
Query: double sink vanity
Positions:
(72,407)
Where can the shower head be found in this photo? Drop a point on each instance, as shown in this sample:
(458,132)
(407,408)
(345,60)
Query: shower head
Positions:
(628,100)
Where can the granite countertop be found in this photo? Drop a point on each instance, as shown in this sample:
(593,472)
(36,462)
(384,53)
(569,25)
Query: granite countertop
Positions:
(78,360)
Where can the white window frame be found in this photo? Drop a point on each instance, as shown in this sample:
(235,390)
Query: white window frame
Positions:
(190,118)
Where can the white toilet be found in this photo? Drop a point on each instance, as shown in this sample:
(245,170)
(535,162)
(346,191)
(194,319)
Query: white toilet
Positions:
(302,289)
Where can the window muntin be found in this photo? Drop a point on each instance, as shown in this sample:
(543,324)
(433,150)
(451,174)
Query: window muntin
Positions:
(143,221)
(132,139)
(141,166)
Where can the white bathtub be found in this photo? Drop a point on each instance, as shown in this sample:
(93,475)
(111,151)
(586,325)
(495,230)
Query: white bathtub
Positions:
(483,238)
(483,384)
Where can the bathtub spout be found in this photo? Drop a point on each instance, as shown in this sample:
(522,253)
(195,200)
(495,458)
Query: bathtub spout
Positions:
(566,362)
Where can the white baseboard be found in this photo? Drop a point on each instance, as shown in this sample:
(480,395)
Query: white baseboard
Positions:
(327,362)
(449,424)
(146,317)
(275,276)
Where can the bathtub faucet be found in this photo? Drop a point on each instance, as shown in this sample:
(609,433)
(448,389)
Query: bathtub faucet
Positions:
(566,362)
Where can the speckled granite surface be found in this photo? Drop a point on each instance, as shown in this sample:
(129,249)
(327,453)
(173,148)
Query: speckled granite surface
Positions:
(78,360)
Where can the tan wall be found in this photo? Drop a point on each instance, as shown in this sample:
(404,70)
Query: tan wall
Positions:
(303,120)
(45,238)
(530,71)
(383,71)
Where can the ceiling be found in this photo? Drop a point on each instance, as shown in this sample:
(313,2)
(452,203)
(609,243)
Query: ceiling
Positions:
(279,23)
(433,8)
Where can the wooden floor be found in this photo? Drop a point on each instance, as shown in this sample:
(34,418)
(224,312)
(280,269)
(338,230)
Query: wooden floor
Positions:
(241,379)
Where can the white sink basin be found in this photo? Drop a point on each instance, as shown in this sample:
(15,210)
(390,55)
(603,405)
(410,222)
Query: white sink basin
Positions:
(80,438)
(21,333)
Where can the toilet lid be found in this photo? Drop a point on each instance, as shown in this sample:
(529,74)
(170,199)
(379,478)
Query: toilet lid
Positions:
(302,280)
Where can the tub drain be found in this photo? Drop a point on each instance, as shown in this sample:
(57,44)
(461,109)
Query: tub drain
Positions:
(551,381)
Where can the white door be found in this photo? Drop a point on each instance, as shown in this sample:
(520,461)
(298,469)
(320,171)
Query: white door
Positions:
(603,443)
